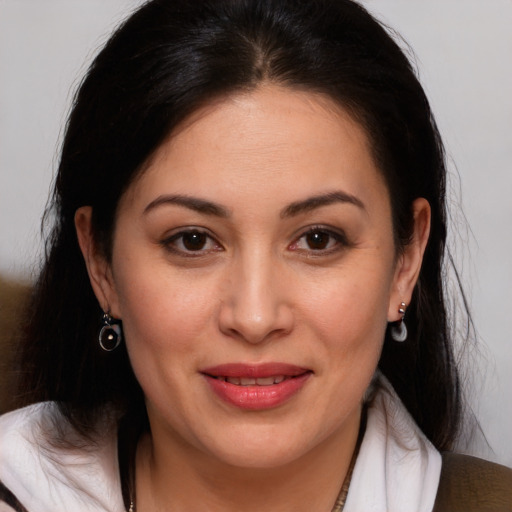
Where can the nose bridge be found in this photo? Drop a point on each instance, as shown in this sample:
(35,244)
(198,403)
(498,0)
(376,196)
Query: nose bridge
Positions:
(255,308)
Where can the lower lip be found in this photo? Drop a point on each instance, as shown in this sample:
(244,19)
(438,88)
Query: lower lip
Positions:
(258,397)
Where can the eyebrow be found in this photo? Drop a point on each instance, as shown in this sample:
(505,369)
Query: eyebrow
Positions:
(210,208)
(192,203)
(312,203)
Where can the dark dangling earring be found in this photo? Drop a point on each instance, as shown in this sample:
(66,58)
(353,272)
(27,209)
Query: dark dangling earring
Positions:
(110,334)
(399,329)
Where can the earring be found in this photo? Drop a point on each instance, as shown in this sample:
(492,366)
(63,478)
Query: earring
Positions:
(110,334)
(399,329)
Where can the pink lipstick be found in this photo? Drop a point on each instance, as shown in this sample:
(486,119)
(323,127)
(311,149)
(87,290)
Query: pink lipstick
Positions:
(256,387)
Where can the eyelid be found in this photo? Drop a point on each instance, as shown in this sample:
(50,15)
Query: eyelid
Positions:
(167,242)
(338,234)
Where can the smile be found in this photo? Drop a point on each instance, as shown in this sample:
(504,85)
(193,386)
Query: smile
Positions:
(256,387)
(251,381)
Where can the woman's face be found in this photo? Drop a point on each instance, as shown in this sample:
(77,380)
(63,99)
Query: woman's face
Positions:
(254,271)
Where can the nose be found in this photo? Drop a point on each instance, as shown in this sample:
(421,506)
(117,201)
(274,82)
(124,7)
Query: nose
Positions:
(254,305)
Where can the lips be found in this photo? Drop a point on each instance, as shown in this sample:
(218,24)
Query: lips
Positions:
(256,387)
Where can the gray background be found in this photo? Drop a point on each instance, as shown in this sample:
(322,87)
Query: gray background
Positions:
(463,53)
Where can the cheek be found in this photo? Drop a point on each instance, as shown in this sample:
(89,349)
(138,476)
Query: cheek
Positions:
(162,310)
(164,321)
(350,309)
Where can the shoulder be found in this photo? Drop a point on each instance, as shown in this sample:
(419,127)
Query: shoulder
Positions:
(18,432)
(471,484)
(24,432)
(46,466)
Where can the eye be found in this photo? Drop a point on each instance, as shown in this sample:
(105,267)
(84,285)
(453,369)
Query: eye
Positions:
(191,242)
(319,239)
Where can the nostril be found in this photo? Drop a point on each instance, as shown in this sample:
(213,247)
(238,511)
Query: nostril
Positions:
(255,328)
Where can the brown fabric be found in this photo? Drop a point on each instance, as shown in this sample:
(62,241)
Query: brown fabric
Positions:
(469,484)
(13,296)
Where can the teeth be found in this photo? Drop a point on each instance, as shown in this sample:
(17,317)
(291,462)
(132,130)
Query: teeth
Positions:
(251,381)
(265,381)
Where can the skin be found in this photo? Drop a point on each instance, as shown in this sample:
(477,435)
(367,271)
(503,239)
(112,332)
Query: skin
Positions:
(256,288)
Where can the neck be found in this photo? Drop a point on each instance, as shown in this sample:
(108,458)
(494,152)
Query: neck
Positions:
(175,478)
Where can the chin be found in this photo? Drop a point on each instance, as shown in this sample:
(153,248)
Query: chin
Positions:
(263,458)
(262,448)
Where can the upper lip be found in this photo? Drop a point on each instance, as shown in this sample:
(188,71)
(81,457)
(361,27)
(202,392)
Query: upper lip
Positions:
(256,371)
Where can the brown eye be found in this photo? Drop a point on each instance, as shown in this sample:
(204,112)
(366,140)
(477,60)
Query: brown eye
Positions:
(194,240)
(318,240)
(191,242)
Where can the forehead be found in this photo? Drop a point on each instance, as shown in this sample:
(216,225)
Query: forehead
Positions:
(273,136)
(270,117)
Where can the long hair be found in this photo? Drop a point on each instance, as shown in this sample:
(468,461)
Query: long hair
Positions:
(166,61)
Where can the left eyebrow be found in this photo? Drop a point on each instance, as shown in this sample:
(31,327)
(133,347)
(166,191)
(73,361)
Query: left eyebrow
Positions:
(312,203)
(192,203)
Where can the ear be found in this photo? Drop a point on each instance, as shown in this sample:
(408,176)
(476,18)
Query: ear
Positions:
(409,262)
(98,268)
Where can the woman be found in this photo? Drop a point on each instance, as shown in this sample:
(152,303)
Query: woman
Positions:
(242,305)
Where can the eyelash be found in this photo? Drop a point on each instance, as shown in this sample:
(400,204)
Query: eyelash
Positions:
(170,243)
(339,239)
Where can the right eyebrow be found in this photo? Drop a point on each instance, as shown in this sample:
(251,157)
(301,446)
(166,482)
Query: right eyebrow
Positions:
(192,203)
(312,203)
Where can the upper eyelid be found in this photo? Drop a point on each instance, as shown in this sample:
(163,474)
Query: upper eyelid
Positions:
(337,233)
(176,232)
(339,236)
(179,232)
